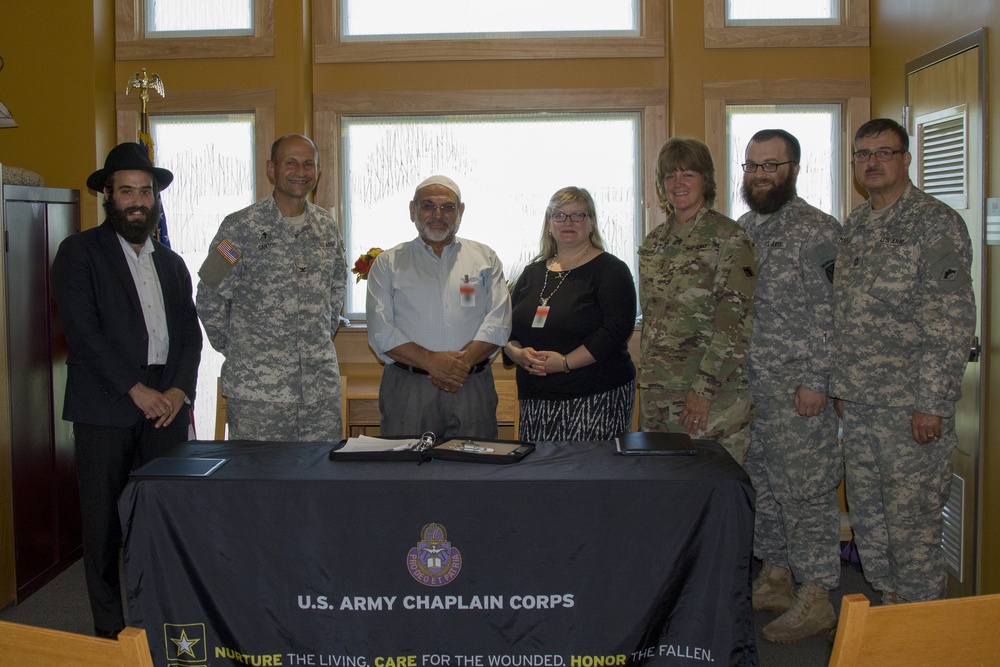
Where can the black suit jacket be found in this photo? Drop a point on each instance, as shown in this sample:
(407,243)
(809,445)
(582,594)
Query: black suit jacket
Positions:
(106,332)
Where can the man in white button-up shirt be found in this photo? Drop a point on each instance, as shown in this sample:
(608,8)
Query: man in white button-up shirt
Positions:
(438,308)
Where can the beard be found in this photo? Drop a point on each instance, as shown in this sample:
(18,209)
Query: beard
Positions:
(771,200)
(429,234)
(133,231)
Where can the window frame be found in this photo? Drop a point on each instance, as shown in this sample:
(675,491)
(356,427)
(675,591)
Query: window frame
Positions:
(258,101)
(330,108)
(854,95)
(131,42)
(328,48)
(852,31)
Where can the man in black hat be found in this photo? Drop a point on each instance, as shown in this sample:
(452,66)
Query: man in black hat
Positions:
(134,346)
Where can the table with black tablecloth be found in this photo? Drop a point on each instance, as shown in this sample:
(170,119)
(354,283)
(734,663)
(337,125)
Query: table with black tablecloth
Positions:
(575,557)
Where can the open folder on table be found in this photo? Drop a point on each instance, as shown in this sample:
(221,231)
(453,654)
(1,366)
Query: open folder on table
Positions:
(470,450)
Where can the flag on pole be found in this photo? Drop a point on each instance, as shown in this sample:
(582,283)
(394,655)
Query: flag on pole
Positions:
(146,141)
(145,138)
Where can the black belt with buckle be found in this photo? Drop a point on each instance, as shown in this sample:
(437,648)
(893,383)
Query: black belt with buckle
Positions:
(481,366)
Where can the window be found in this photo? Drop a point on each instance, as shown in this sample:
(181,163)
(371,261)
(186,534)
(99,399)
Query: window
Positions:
(734,110)
(507,166)
(389,20)
(507,162)
(818,129)
(395,30)
(780,23)
(161,29)
(212,158)
(196,18)
(781,12)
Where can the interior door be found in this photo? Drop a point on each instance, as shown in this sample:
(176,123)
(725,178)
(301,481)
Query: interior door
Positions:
(946,125)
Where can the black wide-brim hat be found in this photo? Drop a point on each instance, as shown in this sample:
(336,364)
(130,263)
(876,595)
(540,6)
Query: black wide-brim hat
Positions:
(128,156)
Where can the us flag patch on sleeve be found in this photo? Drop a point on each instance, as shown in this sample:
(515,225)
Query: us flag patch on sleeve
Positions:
(219,264)
(227,250)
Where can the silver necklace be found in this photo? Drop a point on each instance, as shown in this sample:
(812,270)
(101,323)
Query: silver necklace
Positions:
(544,300)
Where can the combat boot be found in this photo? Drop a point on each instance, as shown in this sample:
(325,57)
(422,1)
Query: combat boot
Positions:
(811,614)
(773,589)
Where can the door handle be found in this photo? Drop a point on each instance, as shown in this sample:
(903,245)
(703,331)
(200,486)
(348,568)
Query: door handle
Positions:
(976,350)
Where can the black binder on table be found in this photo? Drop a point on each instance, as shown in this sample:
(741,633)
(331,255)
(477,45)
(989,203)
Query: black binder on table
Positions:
(469,450)
(643,443)
(179,467)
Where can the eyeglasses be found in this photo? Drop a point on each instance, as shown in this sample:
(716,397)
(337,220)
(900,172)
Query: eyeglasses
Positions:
(575,217)
(430,207)
(883,154)
(769,167)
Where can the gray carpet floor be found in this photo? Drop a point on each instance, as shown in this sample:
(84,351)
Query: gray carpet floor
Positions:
(62,605)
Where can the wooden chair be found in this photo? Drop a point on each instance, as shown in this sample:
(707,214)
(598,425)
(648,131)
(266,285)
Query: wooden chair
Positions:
(959,631)
(28,646)
(508,413)
(359,404)
(220,411)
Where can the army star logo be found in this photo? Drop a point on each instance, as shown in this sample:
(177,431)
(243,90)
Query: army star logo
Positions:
(185,645)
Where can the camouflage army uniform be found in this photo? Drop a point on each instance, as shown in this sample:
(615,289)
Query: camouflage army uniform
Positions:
(794,462)
(696,285)
(273,316)
(904,318)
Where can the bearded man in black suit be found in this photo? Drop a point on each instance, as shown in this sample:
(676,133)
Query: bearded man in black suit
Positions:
(132,367)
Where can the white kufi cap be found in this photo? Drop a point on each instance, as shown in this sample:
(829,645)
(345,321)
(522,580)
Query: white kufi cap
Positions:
(439,180)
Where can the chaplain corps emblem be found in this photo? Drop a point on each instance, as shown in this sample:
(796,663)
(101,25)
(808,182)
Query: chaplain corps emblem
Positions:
(434,562)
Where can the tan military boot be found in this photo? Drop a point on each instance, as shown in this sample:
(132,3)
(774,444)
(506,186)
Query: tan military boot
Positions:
(773,589)
(811,614)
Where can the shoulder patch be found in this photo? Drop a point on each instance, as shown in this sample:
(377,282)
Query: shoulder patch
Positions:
(220,261)
(823,258)
(743,277)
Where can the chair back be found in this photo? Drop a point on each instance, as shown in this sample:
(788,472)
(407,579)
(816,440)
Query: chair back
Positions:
(29,646)
(221,411)
(508,413)
(958,631)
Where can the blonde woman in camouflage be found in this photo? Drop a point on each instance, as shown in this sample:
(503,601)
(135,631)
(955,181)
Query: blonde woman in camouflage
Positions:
(697,275)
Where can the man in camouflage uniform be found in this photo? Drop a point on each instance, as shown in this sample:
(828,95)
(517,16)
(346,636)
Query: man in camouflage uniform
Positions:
(904,317)
(697,273)
(794,460)
(270,297)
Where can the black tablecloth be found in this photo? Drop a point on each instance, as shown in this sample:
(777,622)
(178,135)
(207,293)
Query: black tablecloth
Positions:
(575,557)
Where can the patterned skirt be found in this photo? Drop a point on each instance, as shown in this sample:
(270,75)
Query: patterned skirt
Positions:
(598,417)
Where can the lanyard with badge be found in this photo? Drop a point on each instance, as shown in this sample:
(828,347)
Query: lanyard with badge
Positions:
(467,290)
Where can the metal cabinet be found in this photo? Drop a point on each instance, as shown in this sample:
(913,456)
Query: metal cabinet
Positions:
(39,501)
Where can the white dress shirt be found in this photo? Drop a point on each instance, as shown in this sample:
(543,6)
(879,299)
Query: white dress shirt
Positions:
(439,303)
(147,284)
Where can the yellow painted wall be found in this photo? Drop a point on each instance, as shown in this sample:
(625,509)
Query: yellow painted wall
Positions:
(59,86)
(903,30)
